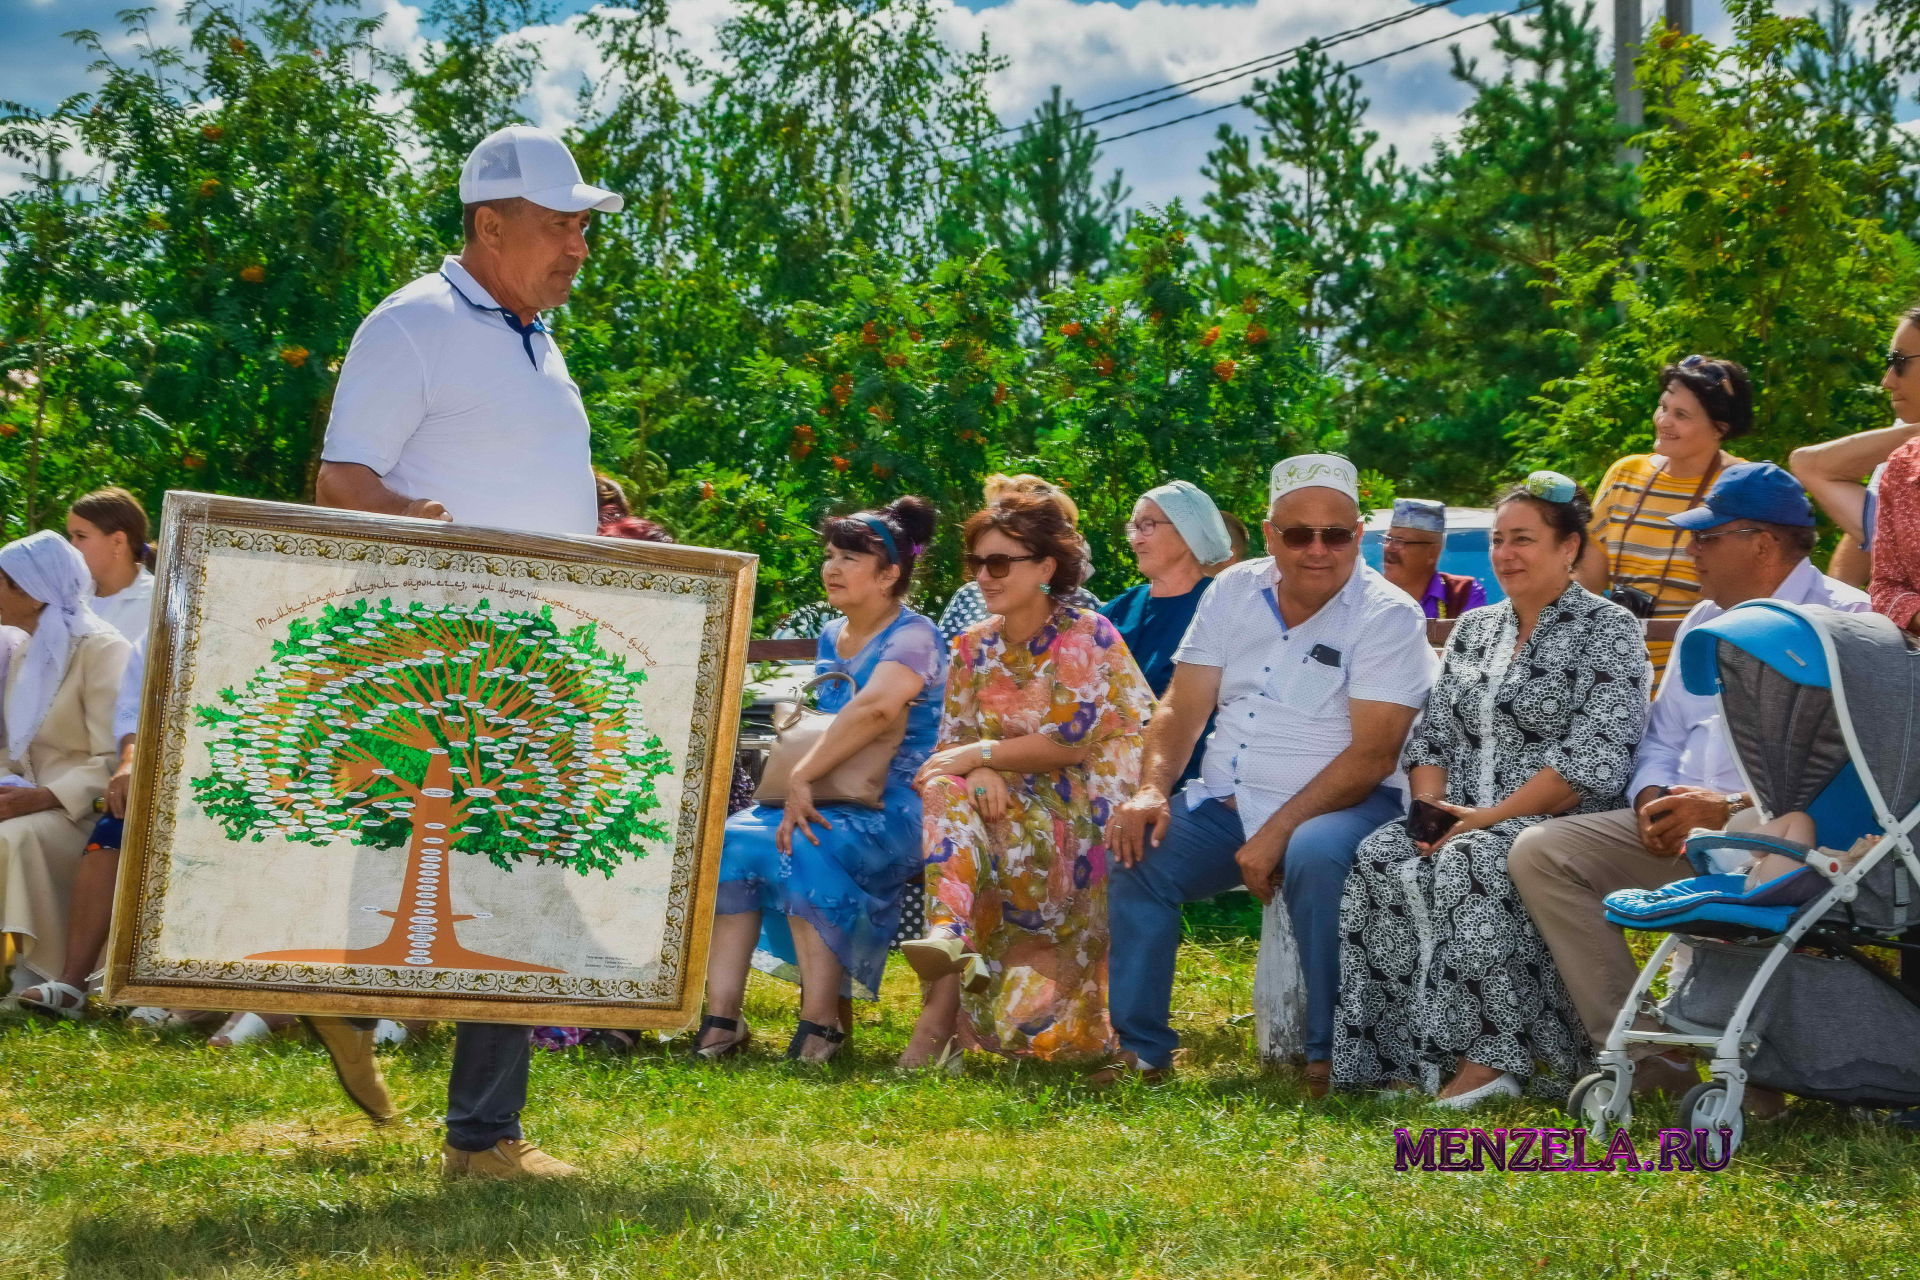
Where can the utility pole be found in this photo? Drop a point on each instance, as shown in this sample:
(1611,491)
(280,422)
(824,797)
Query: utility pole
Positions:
(1627,105)
(1680,16)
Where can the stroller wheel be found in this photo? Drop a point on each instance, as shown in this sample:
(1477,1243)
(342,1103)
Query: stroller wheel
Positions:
(1709,1107)
(1602,1102)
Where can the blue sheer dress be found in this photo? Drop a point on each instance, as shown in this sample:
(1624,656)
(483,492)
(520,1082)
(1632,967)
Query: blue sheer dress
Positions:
(850,887)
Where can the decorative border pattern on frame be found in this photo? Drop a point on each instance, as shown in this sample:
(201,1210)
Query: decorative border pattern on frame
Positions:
(668,984)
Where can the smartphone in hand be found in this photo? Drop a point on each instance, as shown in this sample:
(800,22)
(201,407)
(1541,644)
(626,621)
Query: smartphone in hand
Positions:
(1427,822)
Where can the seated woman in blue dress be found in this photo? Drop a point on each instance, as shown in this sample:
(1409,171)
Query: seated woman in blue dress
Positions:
(818,888)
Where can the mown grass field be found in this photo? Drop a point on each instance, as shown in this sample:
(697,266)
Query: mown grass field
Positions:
(123,1157)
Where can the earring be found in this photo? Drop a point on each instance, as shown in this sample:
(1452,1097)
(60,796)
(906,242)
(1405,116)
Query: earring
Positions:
(1046,588)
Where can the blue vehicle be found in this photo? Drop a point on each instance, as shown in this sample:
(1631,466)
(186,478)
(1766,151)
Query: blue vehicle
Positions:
(1466,551)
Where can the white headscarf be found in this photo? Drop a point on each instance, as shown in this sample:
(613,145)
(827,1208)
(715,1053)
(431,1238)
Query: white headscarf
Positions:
(46,567)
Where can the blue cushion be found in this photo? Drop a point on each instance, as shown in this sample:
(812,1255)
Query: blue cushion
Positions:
(1720,900)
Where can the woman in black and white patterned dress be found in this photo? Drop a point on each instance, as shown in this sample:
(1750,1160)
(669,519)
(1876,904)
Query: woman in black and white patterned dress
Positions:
(1444,982)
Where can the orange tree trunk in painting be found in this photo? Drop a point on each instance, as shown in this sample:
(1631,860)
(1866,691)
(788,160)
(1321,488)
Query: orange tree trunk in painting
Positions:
(453,731)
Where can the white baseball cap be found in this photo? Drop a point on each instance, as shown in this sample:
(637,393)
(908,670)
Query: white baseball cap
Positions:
(531,163)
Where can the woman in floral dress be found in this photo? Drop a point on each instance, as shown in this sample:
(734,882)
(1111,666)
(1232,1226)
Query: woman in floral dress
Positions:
(1041,737)
(1444,982)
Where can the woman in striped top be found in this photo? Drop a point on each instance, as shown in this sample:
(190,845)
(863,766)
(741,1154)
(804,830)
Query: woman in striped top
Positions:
(1635,557)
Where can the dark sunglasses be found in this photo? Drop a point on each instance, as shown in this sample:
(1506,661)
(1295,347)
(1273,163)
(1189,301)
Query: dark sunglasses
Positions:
(996,565)
(1706,368)
(1897,361)
(1301,536)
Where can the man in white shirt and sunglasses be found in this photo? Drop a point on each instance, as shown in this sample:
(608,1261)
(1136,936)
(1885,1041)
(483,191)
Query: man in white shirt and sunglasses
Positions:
(1317,667)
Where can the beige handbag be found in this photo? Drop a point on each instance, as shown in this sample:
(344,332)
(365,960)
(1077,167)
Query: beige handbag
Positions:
(859,779)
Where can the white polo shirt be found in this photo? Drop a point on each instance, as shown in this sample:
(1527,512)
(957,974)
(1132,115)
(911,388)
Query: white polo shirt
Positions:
(1284,691)
(1686,742)
(445,396)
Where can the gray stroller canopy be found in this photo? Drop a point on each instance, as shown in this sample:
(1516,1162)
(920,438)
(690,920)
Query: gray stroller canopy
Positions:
(1783,719)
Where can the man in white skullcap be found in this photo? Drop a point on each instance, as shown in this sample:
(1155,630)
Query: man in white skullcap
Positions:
(1316,666)
(455,404)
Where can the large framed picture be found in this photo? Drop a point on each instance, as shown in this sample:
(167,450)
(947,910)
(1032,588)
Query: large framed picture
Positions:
(392,767)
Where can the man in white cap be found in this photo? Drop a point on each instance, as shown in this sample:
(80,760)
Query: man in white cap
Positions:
(455,404)
(1317,666)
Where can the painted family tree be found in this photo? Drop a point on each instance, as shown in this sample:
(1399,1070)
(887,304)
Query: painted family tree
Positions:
(450,730)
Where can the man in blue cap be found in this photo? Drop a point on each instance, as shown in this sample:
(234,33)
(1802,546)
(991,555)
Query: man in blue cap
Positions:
(1751,536)
(1410,560)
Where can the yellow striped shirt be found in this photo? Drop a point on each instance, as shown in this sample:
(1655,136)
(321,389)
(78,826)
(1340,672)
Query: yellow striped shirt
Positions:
(1642,550)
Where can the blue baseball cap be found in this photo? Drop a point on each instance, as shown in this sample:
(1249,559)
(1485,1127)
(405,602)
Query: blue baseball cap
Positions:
(1750,491)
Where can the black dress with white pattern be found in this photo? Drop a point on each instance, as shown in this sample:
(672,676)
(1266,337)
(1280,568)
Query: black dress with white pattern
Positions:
(1438,957)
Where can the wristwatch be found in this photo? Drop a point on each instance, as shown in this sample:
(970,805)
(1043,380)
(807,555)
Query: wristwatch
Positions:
(1737,801)
(986,752)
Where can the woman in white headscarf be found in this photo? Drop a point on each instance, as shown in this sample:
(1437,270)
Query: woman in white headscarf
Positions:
(57,745)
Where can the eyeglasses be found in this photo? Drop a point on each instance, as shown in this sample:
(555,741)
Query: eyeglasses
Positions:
(996,565)
(1145,526)
(1702,539)
(1395,540)
(1897,361)
(1706,368)
(1301,536)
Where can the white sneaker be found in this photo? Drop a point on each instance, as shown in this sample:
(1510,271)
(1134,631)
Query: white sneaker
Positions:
(1501,1086)
(387,1031)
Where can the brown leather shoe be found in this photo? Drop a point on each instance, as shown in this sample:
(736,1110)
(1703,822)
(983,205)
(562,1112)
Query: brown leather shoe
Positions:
(350,1048)
(1318,1077)
(1126,1067)
(505,1160)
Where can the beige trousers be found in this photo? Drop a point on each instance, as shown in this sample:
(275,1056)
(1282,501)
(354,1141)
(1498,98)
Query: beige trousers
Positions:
(1563,868)
(39,857)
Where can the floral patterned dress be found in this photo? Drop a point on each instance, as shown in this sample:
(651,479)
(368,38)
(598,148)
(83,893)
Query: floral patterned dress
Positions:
(1029,892)
(1438,957)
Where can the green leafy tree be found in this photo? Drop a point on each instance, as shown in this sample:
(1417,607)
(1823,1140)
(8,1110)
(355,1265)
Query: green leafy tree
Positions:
(249,209)
(445,730)
(1040,203)
(1761,243)
(1469,314)
(1309,191)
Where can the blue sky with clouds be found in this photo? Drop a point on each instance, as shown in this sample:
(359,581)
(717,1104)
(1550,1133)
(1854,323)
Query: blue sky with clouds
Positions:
(1096,49)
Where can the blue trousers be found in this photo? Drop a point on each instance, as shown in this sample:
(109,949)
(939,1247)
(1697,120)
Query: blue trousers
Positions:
(1195,860)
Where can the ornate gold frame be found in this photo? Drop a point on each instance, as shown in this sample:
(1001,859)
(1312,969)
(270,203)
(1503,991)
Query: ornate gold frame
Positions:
(194,523)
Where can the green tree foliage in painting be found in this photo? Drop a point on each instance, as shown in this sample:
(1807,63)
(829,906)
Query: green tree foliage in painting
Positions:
(446,730)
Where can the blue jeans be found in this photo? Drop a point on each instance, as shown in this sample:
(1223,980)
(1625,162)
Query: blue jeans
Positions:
(1195,860)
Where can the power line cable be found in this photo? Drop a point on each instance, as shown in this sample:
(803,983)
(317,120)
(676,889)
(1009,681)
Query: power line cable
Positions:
(1228,106)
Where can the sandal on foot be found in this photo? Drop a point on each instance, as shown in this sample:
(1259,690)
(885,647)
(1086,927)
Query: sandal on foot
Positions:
(55,1000)
(936,957)
(725,1049)
(804,1031)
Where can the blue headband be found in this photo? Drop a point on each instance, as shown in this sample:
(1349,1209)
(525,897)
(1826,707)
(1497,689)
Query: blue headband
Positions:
(885,534)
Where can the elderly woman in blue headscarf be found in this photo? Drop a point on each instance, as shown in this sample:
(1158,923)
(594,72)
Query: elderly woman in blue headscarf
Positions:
(62,665)
(1176,533)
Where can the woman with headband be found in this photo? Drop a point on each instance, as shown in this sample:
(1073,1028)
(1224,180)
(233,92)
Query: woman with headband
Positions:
(1633,556)
(816,889)
(1445,985)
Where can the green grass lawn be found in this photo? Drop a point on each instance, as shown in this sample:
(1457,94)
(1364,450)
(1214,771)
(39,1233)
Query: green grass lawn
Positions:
(120,1156)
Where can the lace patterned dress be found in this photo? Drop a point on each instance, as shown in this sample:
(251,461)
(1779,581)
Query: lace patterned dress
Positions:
(1438,957)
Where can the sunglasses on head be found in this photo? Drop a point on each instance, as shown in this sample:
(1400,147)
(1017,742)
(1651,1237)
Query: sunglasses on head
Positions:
(1301,536)
(1706,368)
(1897,361)
(997,565)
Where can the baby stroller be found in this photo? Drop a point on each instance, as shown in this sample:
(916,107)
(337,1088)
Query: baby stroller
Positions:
(1823,709)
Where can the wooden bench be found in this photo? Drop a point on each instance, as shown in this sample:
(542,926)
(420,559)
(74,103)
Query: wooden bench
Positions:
(1660,629)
